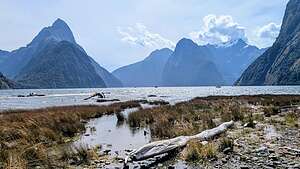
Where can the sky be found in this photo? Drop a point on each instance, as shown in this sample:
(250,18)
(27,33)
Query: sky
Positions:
(120,32)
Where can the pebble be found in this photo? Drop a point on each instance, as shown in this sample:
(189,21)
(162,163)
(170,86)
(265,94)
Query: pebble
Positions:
(273,157)
(227,150)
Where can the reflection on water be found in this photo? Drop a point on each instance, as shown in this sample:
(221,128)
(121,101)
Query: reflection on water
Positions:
(59,97)
(116,137)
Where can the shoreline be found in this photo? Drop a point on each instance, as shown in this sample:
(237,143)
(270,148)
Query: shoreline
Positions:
(107,103)
(49,127)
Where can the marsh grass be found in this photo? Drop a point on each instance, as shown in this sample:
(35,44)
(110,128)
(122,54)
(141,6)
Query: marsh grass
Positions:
(30,133)
(196,152)
(23,130)
(192,117)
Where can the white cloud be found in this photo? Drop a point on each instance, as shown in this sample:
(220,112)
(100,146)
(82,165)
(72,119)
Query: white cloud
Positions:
(269,32)
(140,35)
(219,29)
(264,36)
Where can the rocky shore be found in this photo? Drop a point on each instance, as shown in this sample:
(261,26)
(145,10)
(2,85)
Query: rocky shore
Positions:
(265,134)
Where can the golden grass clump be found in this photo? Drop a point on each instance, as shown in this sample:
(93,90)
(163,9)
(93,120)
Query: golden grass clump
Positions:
(197,152)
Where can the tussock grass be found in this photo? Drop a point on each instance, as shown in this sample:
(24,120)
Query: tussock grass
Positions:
(26,135)
(196,152)
(194,116)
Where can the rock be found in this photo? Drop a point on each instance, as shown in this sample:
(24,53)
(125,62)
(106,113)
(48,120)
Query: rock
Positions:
(296,166)
(262,150)
(227,150)
(271,151)
(244,167)
(273,157)
(250,125)
(271,164)
(204,142)
(106,151)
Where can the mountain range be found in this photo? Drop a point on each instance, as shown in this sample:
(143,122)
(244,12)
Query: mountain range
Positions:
(145,73)
(191,65)
(233,58)
(53,59)
(280,64)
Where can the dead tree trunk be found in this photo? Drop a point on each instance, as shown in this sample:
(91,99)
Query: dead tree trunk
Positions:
(164,146)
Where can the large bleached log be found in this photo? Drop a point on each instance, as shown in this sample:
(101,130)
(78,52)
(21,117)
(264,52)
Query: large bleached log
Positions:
(164,146)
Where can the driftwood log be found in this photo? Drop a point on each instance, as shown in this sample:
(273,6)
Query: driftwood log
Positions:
(100,95)
(165,146)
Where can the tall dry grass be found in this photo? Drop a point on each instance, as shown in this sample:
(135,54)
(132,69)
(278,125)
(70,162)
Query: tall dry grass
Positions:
(27,135)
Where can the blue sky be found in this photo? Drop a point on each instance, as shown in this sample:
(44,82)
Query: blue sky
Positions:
(120,32)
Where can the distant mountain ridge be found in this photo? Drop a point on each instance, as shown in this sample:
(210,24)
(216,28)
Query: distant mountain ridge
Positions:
(280,64)
(53,59)
(233,58)
(224,63)
(191,65)
(145,73)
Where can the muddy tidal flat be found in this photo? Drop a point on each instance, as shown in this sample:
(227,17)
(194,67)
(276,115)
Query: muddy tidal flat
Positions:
(265,134)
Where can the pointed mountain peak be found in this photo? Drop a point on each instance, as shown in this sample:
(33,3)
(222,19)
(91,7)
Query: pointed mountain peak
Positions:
(60,23)
(58,31)
(185,43)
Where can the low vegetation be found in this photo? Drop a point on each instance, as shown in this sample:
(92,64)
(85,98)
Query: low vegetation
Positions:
(27,136)
(226,145)
(30,138)
(197,152)
(192,117)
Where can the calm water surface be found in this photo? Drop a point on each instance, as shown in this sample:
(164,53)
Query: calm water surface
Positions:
(60,97)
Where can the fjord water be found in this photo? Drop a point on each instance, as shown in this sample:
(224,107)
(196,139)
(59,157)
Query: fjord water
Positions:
(60,97)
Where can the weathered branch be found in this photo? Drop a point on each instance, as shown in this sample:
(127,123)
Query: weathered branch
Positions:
(164,146)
